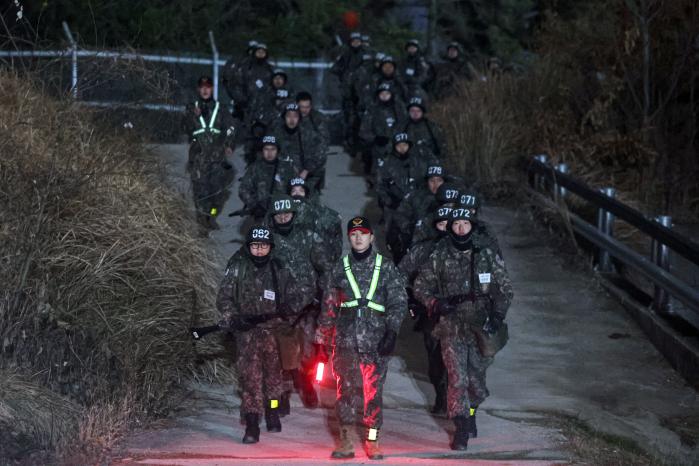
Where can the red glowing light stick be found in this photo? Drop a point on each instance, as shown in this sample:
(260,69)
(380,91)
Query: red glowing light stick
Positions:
(319,371)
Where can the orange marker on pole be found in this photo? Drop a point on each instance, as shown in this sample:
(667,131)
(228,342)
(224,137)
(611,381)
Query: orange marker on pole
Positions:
(320,369)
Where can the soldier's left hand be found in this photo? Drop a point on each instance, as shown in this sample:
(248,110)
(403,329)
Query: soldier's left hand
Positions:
(492,325)
(387,343)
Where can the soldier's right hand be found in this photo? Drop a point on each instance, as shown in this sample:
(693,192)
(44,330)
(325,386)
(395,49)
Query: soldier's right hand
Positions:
(197,111)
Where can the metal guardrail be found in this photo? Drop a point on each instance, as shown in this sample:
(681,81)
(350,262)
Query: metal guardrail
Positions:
(557,181)
(215,62)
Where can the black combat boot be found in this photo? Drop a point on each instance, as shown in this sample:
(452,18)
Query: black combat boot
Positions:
(274,424)
(252,428)
(285,404)
(307,391)
(460,441)
(472,429)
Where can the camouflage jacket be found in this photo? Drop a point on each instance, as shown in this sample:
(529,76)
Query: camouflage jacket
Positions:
(254,77)
(303,146)
(305,253)
(263,179)
(265,106)
(317,122)
(396,178)
(247,290)
(416,72)
(383,120)
(372,82)
(361,329)
(428,138)
(324,221)
(347,62)
(447,74)
(414,207)
(214,127)
(449,272)
(416,256)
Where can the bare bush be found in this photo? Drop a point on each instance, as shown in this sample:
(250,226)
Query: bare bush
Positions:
(102,273)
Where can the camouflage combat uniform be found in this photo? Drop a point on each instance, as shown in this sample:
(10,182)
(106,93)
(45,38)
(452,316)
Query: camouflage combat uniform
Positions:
(417,73)
(211,133)
(262,180)
(251,290)
(428,137)
(448,272)
(378,126)
(305,149)
(324,221)
(356,333)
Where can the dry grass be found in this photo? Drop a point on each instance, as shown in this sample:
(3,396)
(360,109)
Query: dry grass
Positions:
(102,273)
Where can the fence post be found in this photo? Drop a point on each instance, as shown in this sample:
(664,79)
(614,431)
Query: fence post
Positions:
(560,191)
(660,255)
(74,61)
(214,52)
(605,224)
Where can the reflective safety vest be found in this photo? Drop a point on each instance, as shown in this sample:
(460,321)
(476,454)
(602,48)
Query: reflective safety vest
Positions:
(210,128)
(355,287)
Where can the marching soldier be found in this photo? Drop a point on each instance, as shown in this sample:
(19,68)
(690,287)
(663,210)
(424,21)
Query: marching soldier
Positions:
(416,71)
(266,176)
(302,145)
(450,71)
(417,204)
(213,139)
(379,125)
(363,307)
(428,136)
(467,291)
(256,293)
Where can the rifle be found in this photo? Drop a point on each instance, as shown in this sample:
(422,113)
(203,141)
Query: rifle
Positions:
(240,324)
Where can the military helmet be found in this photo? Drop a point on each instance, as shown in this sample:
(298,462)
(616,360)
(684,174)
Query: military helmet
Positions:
(280,72)
(417,101)
(412,42)
(355,35)
(259,234)
(282,204)
(298,181)
(435,170)
(460,213)
(384,87)
(388,59)
(470,200)
(442,213)
(447,193)
(379,56)
(366,38)
(402,137)
(261,45)
(270,140)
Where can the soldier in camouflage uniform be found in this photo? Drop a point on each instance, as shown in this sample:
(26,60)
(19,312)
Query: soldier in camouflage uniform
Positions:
(363,307)
(416,71)
(447,195)
(409,266)
(212,133)
(302,145)
(428,136)
(306,253)
(420,202)
(254,74)
(312,214)
(483,235)
(258,286)
(232,77)
(469,291)
(397,176)
(345,65)
(379,125)
(450,71)
(266,176)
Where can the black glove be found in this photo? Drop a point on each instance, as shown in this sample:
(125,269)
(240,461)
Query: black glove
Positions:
(416,308)
(387,343)
(242,324)
(443,307)
(285,310)
(225,321)
(258,211)
(226,165)
(380,140)
(321,352)
(492,324)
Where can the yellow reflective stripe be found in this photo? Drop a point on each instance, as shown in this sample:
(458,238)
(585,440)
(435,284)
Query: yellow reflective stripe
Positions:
(350,278)
(274,404)
(472,411)
(376,307)
(213,211)
(352,303)
(212,120)
(375,277)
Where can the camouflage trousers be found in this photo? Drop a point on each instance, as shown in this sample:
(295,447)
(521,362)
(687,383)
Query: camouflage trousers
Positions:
(259,369)
(359,376)
(465,371)
(211,177)
(303,335)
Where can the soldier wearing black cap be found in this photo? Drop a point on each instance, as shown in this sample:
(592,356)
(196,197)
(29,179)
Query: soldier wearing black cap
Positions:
(447,195)
(256,294)
(420,202)
(302,146)
(467,292)
(428,136)
(363,307)
(212,132)
(379,125)
(416,71)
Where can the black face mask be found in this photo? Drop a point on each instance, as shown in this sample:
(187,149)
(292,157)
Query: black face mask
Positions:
(290,130)
(440,233)
(461,242)
(299,198)
(360,256)
(260,261)
(284,228)
(271,162)
(401,156)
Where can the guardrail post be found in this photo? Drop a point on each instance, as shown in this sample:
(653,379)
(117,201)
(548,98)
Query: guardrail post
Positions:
(605,224)
(214,53)
(538,179)
(660,255)
(560,191)
(73,59)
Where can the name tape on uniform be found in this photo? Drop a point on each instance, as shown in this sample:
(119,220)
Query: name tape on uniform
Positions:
(271,294)
(484,278)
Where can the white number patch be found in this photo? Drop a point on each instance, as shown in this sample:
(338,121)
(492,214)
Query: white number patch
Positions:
(484,278)
(260,233)
(282,204)
(269,295)
(467,199)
